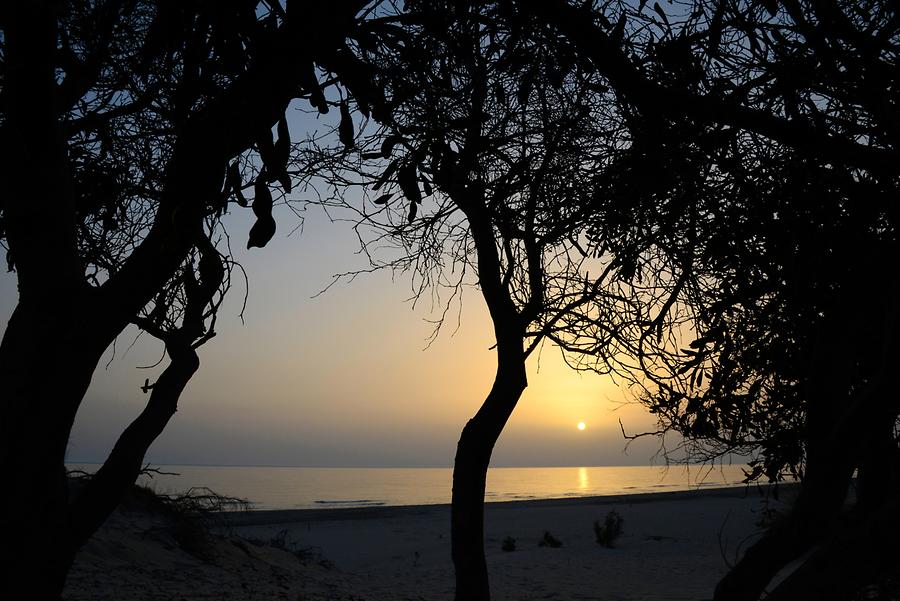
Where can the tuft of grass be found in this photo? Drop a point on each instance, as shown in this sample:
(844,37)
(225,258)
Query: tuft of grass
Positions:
(306,555)
(509,544)
(610,530)
(548,540)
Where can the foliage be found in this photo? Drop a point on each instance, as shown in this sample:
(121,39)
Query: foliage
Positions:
(548,540)
(611,529)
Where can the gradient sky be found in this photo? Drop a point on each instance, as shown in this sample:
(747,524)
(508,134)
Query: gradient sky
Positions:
(344,379)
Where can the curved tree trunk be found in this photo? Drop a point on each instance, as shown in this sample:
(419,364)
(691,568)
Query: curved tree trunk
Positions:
(473,455)
(105,490)
(476,443)
(40,401)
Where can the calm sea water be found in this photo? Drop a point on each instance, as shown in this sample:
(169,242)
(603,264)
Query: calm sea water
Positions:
(312,487)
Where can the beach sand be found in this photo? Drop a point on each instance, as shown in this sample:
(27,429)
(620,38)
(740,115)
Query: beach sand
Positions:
(674,546)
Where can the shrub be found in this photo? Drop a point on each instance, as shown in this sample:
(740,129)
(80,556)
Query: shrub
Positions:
(610,530)
(509,544)
(549,540)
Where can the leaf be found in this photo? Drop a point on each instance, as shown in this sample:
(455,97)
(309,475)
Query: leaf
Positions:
(109,222)
(388,145)
(383,199)
(618,31)
(386,175)
(406,178)
(234,183)
(524,90)
(211,269)
(715,29)
(500,94)
(771,6)
(283,144)
(311,83)
(413,207)
(427,187)
(662,14)
(345,129)
(285,180)
(281,155)
(362,102)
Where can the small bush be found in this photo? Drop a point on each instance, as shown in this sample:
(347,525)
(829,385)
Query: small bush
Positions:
(549,540)
(610,530)
(509,544)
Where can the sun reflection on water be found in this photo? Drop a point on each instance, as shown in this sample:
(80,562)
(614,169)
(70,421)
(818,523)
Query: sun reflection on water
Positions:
(583,482)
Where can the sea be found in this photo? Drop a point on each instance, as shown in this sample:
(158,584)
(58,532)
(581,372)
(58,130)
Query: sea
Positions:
(329,487)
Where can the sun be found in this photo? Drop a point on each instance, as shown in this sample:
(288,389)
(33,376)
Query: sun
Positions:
(582,425)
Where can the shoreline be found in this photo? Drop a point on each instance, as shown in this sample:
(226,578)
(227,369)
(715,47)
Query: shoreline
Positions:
(263,517)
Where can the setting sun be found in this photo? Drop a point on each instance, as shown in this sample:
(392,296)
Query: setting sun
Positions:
(582,425)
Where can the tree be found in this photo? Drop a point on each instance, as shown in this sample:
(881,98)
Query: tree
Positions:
(793,352)
(497,129)
(119,122)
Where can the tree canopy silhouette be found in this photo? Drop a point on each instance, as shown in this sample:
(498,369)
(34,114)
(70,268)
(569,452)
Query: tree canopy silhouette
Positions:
(781,320)
(126,127)
(486,167)
(752,185)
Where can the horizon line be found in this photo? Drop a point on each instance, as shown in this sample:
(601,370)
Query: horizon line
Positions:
(659,465)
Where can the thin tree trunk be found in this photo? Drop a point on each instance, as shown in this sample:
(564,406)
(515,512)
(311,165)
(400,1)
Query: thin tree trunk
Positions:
(476,443)
(105,490)
(473,455)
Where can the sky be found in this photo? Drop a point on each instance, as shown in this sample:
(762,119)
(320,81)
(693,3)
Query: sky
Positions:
(344,378)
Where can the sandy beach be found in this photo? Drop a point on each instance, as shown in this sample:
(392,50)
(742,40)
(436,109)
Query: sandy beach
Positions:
(674,546)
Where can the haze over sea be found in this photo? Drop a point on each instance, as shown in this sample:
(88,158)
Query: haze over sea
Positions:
(318,487)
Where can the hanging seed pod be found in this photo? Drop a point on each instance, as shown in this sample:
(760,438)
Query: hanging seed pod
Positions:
(264,228)
(345,129)
(413,207)
(381,200)
(311,84)
(282,154)
(261,232)
(406,177)
(262,202)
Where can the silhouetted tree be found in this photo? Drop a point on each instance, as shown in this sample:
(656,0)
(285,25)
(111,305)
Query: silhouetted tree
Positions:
(119,121)
(790,344)
(497,130)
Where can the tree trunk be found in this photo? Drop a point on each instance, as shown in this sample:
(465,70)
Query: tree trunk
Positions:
(858,554)
(818,504)
(473,455)
(473,452)
(45,369)
(105,490)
